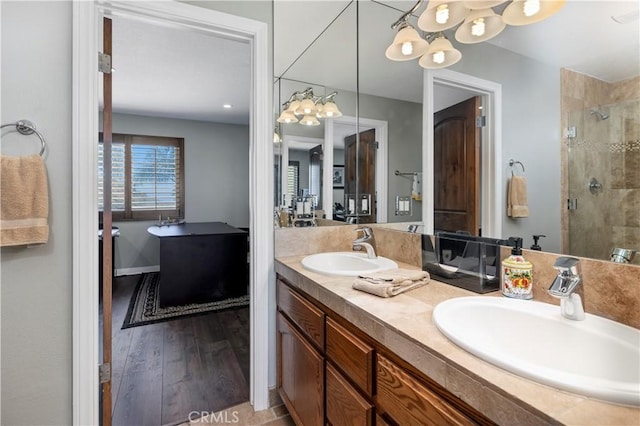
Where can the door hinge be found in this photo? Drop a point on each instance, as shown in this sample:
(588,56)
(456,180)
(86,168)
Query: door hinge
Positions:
(481,121)
(104,63)
(377,145)
(104,373)
(572,203)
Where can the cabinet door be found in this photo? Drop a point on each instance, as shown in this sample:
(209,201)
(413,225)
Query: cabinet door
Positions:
(409,402)
(300,375)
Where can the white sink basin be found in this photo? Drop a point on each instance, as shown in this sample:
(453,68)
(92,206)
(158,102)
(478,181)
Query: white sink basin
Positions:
(596,357)
(346,263)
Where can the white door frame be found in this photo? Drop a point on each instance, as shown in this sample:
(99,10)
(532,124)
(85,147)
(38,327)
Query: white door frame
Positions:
(491,156)
(86,25)
(382,161)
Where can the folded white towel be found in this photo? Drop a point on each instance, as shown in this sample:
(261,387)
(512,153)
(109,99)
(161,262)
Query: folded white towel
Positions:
(391,282)
(395,276)
(517,197)
(24,201)
(387,289)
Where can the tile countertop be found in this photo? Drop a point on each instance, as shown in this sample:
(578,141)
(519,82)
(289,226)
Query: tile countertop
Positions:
(403,324)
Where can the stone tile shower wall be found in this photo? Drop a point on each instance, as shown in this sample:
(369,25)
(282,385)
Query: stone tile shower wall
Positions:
(608,150)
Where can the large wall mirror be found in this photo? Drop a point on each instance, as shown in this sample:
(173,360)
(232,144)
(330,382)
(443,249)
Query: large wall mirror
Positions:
(558,80)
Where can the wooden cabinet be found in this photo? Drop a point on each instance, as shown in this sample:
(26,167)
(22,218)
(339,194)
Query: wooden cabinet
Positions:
(300,375)
(410,402)
(345,405)
(329,372)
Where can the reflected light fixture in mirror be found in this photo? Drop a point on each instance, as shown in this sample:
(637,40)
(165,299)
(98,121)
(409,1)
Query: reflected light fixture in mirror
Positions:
(476,21)
(309,107)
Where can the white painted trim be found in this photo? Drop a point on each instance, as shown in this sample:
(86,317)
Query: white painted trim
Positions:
(382,157)
(137,270)
(85,215)
(86,24)
(491,173)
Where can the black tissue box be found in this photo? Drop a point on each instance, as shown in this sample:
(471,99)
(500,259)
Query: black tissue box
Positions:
(462,260)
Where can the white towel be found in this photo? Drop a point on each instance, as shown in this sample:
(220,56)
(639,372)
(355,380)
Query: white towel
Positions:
(392,282)
(517,197)
(416,187)
(24,201)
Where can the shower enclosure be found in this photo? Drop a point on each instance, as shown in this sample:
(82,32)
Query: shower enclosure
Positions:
(604,179)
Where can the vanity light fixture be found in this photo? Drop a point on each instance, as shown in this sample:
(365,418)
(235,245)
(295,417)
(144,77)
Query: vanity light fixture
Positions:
(476,22)
(440,54)
(309,108)
(525,12)
(479,26)
(327,107)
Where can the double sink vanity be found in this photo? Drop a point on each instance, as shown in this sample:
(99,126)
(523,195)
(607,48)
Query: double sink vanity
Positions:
(440,354)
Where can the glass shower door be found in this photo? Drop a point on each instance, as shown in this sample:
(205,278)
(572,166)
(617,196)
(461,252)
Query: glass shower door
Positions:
(604,179)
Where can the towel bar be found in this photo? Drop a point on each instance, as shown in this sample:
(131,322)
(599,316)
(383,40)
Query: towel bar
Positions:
(512,164)
(26,127)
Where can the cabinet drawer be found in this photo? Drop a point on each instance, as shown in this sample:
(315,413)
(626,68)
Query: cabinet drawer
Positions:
(351,355)
(345,406)
(408,401)
(302,313)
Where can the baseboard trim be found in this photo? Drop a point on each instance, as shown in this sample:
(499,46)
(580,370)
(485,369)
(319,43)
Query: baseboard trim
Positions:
(137,270)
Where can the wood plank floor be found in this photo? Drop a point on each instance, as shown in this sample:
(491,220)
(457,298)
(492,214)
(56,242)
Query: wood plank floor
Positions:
(162,372)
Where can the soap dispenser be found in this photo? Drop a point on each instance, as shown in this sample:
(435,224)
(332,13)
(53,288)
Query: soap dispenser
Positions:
(535,245)
(517,273)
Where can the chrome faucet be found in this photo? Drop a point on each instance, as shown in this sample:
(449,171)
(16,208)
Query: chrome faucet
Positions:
(567,287)
(367,241)
(622,255)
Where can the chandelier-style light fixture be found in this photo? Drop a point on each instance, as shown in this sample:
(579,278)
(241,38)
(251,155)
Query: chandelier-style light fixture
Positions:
(305,108)
(476,22)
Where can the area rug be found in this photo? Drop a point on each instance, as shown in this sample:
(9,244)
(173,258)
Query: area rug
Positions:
(144,307)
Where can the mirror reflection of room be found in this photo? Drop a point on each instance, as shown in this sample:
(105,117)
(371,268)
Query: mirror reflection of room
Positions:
(566,82)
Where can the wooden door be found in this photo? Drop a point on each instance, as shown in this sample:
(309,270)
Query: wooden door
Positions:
(360,169)
(107,242)
(456,168)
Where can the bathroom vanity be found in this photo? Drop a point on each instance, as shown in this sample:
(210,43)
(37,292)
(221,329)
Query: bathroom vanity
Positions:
(347,357)
(201,262)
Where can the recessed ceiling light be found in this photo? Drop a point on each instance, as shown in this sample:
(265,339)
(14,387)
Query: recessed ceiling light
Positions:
(227,106)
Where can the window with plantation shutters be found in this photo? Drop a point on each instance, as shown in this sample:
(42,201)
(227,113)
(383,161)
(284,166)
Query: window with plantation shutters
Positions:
(293,177)
(147,177)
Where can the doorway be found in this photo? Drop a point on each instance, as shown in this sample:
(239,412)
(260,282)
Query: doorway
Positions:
(491,188)
(85,127)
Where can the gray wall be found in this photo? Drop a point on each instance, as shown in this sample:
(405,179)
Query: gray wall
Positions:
(216,180)
(36,292)
(530,134)
(36,282)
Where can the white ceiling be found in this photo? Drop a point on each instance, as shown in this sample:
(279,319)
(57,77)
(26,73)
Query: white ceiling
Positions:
(170,71)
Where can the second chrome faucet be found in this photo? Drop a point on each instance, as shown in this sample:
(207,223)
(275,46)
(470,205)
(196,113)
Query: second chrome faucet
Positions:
(366,242)
(567,286)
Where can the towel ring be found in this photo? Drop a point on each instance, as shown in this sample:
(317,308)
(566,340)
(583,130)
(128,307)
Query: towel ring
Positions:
(512,164)
(26,127)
